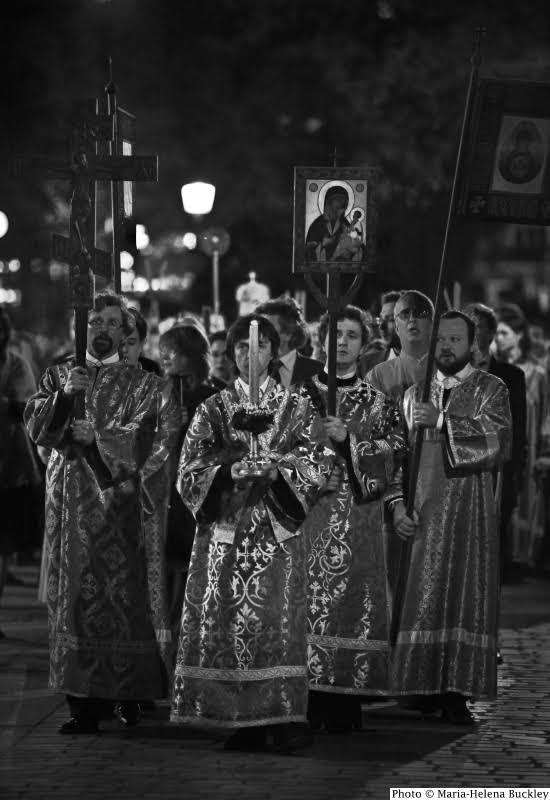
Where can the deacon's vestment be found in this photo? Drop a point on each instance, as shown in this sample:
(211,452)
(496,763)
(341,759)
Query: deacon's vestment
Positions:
(242,650)
(348,603)
(448,625)
(102,637)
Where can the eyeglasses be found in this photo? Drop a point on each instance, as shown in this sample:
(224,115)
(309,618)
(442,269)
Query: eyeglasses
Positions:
(111,324)
(414,313)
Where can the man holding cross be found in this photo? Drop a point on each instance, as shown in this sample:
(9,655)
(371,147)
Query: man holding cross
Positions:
(104,471)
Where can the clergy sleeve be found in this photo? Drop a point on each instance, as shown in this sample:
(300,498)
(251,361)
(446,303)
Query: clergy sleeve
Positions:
(48,411)
(375,452)
(481,440)
(205,464)
(305,468)
(123,449)
(158,470)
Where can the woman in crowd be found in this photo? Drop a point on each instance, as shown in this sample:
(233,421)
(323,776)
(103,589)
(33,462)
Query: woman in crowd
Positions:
(513,345)
(185,359)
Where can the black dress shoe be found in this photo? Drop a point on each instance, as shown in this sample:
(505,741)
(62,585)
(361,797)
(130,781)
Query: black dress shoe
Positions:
(129,713)
(455,710)
(250,740)
(77,725)
(291,736)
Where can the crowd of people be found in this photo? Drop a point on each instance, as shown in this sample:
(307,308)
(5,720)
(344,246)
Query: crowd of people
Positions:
(271,601)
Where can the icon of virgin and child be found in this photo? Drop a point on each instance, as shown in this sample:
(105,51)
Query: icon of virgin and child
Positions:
(337,234)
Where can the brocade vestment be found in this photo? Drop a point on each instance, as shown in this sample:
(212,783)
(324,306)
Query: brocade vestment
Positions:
(448,624)
(348,602)
(242,650)
(102,637)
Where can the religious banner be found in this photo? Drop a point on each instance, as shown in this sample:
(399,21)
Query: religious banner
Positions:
(334,219)
(507,176)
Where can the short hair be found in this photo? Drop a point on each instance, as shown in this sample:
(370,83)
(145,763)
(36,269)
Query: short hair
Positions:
(349,312)
(291,319)
(454,313)
(390,297)
(218,336)
(141,323)
(486,312)
(422,300)
(111,300)
(189,341)
(241,328)
(512,315)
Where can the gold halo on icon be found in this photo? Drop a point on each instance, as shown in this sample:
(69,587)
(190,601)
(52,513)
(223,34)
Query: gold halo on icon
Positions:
(324,189)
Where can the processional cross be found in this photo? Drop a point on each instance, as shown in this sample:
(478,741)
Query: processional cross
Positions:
(84,169)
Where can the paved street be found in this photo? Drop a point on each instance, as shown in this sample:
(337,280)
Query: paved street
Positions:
(509,747)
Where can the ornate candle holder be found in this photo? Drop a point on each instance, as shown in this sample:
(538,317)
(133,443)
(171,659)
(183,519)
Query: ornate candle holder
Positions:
(254,420)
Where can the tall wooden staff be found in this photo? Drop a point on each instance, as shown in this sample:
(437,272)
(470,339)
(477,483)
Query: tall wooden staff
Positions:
(406,547)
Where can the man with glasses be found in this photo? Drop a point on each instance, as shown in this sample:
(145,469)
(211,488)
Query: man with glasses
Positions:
(413,315)
(103,473)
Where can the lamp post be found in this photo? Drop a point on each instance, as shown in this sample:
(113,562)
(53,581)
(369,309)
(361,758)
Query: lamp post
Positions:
(198,199)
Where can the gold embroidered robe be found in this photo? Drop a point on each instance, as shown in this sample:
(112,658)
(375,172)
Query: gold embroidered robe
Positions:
(102,637)
(448,625)
(348,601)
(242,650)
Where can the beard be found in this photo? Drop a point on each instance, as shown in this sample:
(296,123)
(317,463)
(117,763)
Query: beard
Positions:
(454,365)
(102,344)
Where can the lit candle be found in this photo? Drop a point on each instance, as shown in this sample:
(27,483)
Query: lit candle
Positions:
(253,364)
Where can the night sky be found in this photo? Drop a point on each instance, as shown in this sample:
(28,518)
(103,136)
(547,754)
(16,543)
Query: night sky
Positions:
(238,93)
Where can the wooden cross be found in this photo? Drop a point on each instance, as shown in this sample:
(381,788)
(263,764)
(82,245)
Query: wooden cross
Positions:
(84,168)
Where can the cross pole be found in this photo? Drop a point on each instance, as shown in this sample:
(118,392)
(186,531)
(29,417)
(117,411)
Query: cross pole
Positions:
(406,547)
(121,148)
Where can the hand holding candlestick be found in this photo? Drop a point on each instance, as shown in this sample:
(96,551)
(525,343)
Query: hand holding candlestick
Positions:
(253,419)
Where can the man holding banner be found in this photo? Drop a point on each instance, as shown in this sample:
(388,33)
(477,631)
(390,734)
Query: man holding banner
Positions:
(447,639)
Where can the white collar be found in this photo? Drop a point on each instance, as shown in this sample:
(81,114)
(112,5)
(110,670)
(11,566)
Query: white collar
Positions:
(345,377)
(98,362)
(244,386)
(460,376)
(288,360)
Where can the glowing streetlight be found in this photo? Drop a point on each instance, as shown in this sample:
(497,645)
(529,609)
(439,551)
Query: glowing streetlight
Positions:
(126,260)
(142,237)
(189,240)
(4,224)
(198,198)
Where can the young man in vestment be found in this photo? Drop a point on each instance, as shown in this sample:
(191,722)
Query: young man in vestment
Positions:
(447,642)
(413,315)
(348,609)
(242,663)
(104,471)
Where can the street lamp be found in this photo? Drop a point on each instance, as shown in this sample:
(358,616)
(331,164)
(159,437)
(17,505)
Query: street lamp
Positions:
(198,198)
(4,224)
(214,242)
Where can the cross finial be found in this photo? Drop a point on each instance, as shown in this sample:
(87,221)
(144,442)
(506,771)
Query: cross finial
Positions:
(110,88)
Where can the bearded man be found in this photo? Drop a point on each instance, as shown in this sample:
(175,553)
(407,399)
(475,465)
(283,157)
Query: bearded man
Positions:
(103,473)
(447,642)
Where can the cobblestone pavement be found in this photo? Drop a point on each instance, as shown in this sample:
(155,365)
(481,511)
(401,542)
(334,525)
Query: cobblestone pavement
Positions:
(510,746)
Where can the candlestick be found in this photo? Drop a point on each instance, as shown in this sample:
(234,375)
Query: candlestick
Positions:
(253,364)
